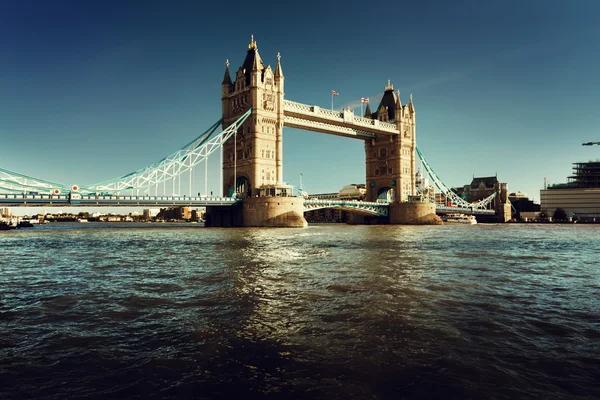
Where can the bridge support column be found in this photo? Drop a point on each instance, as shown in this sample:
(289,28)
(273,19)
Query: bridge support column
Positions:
(281,212)
(414,214)
(360,219)
(504,212)
(223,217)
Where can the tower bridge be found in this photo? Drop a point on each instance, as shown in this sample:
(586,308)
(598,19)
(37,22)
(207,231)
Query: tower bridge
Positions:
(254,113)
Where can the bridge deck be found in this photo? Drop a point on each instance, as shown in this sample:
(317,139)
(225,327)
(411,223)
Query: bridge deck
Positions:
(78,200)
(46,200)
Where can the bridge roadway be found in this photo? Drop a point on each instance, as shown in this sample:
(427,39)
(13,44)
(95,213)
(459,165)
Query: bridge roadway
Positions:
(65,200)
(78,200)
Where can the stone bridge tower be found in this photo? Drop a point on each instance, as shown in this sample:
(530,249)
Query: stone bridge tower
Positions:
(390,160)
(255,154)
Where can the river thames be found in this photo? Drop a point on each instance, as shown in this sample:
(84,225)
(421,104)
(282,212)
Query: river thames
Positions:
(148,311)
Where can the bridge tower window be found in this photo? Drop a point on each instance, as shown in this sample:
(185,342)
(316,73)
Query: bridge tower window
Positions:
(383,152)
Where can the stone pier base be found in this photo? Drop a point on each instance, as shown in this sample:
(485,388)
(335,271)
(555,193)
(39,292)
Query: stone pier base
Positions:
(223,217)
(280,212)
(360,219)
(414,214)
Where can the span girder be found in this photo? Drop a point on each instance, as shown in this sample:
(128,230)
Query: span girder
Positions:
(453,197)
(175,164)
(179,162)
(363,207)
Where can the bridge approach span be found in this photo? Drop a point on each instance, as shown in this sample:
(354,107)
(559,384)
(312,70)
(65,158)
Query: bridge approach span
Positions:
(79,200)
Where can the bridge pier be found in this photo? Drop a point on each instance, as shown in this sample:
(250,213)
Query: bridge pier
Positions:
(277,212)
(223,217)
(262,211)
(361,219)
(414,214)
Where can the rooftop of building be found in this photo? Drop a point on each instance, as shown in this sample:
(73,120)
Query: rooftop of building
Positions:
(487,182)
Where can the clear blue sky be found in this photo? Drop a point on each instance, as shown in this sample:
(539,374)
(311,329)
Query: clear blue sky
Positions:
(93,90)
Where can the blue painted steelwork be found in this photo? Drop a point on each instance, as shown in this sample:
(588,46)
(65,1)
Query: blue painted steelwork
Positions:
(168,168)
(440,209)
(450,195)
(363,207)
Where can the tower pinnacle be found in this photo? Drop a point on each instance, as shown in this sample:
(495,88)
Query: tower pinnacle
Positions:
(226,76)
(278,71)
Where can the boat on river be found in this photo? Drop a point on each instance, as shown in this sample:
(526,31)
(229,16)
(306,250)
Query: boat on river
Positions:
(5,226)
(459,219)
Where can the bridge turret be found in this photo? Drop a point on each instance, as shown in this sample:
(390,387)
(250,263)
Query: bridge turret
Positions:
(398,110)
(368,113)
(226,89)
(386,111)
(279,95)
(278,70)
(253,64)
(227,78)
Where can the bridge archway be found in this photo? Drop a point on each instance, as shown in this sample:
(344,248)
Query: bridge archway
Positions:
(386,194)
(243,187)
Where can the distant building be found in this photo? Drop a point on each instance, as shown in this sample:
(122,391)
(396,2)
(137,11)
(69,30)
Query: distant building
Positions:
(483,187)
(5,212)
(149,213)
(523,208)
(178,213)
(197,215)
(579,197)
(521,203)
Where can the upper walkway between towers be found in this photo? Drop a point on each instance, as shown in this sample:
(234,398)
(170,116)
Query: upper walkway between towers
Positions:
(342,123)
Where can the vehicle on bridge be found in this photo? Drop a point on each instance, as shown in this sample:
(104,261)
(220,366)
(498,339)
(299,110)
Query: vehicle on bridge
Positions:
(353,192)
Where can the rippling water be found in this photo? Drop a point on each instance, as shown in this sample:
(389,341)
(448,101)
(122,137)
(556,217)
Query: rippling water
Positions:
(329,312)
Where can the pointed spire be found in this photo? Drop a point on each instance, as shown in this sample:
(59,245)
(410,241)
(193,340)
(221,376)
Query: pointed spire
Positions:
(257,65)
(389,86)
(227,77)
(278,71)
(368,111)
(398,102)
(411,106)
(252,44)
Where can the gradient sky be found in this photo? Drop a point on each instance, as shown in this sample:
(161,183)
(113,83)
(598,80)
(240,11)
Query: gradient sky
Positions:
(93,90)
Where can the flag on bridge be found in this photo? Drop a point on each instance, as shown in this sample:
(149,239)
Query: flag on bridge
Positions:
(364,99)
(333,93)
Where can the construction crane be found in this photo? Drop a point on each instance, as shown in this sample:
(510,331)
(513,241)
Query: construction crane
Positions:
(590,143)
